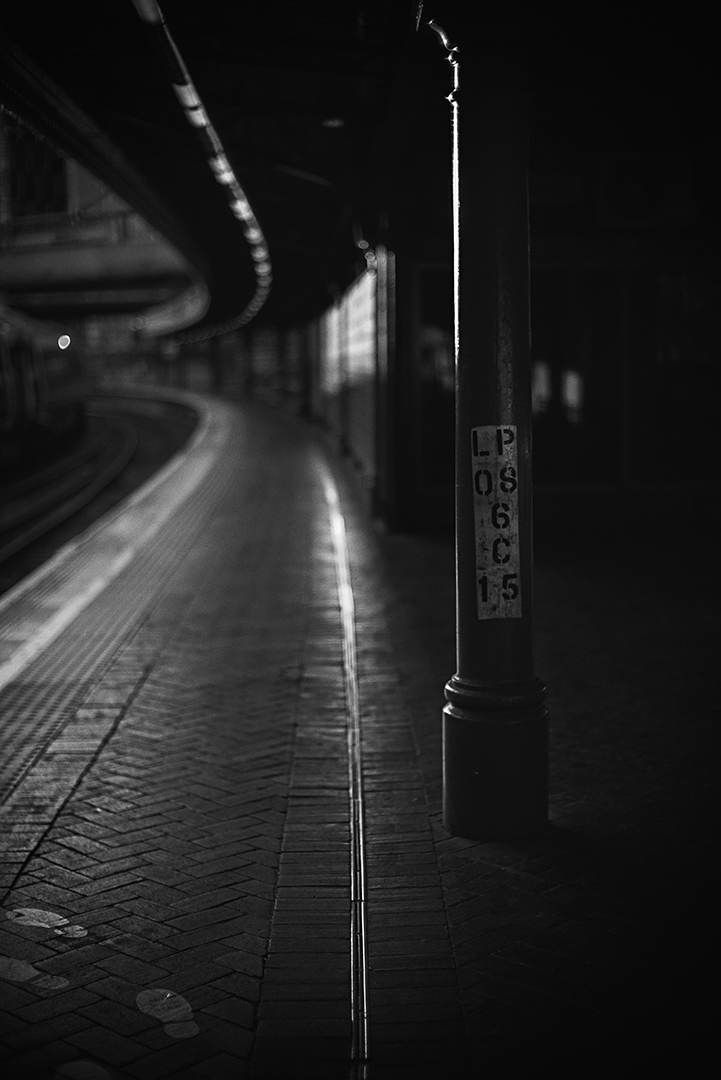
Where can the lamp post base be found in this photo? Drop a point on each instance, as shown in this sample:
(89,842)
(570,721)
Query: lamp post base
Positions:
(495,771)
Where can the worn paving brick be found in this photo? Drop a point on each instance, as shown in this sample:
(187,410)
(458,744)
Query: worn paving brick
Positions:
(107,1045)
(317,1008)
(170,1060)
(418,932)
(178,961)
(70,860)
(109,883)
(40,1062)
(254,944)
(207,916)
(431,948)
(217,931)
(308,921)
(233,879)
(63,1026)
(302,905)
(255,925)
(147,909)
(289,1028)
(205,900)
(113,987)
(295,986)
(410,976)
(18,942)
(198,975)
(222,1067)
(231,1038)
(138,928)
(78,957)
(242,985)
(132,968)
(207,850)
(116,1017)
(105,899)
(46,894)
(391,996)
(164,875)
(235,1010)
(112,868)
(10,1023)
(306,943)
(55,1006)
(47,875)
(155,892)
(109,934)
(248,963)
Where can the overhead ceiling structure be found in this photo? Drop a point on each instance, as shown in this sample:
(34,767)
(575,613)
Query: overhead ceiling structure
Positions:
(310,102)
(293,90)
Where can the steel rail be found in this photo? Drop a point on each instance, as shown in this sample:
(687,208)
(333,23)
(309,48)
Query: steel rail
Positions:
(55,508)
(62,467)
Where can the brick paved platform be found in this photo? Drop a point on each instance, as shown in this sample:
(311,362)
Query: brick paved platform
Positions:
(176,816)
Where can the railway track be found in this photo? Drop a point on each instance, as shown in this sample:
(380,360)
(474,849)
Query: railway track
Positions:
(126,440)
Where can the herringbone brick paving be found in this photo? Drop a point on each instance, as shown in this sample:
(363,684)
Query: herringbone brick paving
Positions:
(206,849)
(168,851)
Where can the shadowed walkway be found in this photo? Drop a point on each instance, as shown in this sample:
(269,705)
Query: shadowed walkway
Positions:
(202,844)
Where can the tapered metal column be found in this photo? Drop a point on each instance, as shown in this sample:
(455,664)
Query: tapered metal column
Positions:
(495,740)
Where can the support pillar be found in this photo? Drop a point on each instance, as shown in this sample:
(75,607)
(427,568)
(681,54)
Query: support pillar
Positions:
(495,729)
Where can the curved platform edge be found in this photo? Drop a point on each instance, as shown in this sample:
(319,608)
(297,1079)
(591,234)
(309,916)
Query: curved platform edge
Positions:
(37,610)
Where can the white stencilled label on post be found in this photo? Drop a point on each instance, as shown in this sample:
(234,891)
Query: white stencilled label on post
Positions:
(494,456)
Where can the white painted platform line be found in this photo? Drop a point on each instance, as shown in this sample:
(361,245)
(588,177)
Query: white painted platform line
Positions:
(39,608)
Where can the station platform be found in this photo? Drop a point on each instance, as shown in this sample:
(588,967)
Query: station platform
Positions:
(178,689)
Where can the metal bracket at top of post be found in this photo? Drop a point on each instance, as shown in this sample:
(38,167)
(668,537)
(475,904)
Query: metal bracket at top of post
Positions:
(452,52)
(443,36)
(452,57)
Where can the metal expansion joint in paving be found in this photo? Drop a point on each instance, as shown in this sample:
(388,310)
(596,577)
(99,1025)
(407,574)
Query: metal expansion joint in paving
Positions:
(358,915)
